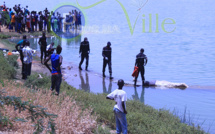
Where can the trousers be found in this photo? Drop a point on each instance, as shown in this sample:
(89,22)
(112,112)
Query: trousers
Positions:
(121,122)
(105,63)
(56,81)
(84,56)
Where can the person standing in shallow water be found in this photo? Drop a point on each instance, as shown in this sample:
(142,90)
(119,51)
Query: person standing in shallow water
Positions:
(141,61)
(56,61)
(120,97)
(84,51)
(43,44)
(106,53)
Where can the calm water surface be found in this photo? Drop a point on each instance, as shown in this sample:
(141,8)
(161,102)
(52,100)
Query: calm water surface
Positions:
(186,55)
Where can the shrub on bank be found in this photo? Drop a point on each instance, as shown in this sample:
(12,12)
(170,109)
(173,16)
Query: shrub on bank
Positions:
(3,36)
(141,118)
(7,66)
(70,117)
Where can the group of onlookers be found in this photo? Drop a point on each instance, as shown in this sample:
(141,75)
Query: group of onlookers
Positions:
(21,18)
(26,57)
(72,20)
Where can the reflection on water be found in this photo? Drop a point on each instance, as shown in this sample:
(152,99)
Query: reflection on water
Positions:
(136,96)
(71,43)
(105,88)
(69,35)
(84,83)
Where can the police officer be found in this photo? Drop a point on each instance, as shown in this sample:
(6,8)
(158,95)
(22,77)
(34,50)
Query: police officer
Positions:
(84,51)
(141,61)
(106,53)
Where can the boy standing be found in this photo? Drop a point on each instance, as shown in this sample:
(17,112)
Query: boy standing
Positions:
(120,97)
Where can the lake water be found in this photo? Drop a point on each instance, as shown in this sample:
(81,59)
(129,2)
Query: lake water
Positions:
(185,55)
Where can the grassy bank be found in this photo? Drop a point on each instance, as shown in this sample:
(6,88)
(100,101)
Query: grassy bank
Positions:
(8,66)
(141,118)
(70,118)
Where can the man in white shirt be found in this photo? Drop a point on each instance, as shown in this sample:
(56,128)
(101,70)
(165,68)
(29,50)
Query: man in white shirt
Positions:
(120,97)
(27,60)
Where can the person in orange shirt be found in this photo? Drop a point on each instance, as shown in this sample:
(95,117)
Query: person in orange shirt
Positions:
(12,22)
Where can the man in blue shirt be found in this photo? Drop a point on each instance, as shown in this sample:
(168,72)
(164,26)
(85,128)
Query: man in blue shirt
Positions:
(10,13)
(56,61)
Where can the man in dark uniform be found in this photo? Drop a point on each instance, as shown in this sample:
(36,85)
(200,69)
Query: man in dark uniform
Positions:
(106,53)
(84,51)
(20,45)
(141,61)
(43,44)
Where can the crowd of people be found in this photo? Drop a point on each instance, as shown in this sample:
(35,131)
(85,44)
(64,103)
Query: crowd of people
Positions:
(21,19)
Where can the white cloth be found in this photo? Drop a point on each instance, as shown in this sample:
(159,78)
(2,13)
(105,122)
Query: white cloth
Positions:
(118,96)
(48,47)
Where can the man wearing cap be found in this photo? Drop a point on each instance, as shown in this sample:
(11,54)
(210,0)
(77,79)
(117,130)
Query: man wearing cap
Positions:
(84,51)
(106,53)
(141,61)
(120,97)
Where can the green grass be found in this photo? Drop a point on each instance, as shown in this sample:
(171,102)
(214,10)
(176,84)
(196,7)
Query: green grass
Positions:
(7,66)
(8,45)
(141,118)
(101,130)
(3,36)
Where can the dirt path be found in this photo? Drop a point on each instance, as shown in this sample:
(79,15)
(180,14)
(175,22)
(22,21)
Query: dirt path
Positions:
(1,45)
(37,67)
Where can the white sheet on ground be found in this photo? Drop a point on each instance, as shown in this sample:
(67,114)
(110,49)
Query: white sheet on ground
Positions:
(170,84)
